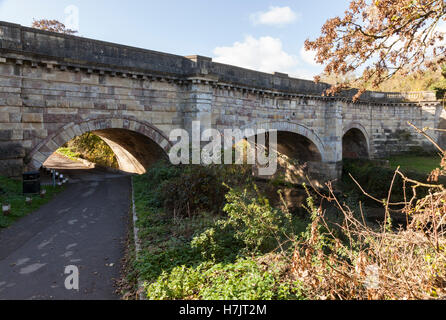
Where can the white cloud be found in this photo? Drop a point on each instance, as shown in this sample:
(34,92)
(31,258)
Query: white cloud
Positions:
(303,73)
(264,54)
(441,27)
(275,16)
(308,56)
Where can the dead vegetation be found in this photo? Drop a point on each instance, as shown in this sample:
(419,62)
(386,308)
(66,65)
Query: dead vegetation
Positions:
(353,260)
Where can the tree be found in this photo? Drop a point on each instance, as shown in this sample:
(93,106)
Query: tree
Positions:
(381,38)
(440,86)
(52,25)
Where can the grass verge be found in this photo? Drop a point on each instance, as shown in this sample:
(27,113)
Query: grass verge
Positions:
(11,193)
(69,153)
(421,164)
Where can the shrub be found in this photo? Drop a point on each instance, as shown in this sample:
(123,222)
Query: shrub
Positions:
(196,189)
(354,260)
(376,181)
(199,189)
(252,226)
(244,279)
(259,226)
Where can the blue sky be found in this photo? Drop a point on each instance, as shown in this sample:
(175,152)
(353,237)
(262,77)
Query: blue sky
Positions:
(257,34)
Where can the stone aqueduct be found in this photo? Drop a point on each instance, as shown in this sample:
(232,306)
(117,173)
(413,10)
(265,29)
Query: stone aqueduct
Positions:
(54,87)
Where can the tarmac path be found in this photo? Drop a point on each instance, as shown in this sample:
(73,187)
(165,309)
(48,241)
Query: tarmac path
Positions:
(84,226)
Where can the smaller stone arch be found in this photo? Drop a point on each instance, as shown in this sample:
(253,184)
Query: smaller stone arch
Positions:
(296,141)
(355,141)
(46,148)
(292,127)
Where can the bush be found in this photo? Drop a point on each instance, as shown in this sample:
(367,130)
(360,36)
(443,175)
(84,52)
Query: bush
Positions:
(199,254)
(252,227)
(92,148)
(356,261)
(195,190)
(198,189)
(258,225)
(244,279)
(376,180)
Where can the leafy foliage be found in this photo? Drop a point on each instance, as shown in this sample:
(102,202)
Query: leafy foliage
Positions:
(244,279)
(356,261)
(440,86)
(69,153)
(206,255)
(255,226)
(92,148)
(200,188)
(375,180)
(52,25)
(196,189)
(385,36)
(426,80)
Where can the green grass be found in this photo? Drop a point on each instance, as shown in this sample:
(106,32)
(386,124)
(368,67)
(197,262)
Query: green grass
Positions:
(420,164)
(11,193)
(69,153)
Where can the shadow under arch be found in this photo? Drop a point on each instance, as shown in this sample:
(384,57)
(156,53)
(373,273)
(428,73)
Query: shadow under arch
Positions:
(314,147)
(300,151)
(355,142)
(136,144)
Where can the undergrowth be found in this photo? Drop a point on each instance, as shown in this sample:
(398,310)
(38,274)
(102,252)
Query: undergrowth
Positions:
(239,245)
(213,250)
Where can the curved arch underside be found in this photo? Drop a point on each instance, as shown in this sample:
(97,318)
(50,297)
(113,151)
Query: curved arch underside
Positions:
(137,145)
(313,140)
(354,145)
(297,147)
(134,151)
(299,157)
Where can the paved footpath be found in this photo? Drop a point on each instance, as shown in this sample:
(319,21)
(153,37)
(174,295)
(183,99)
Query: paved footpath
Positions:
(84,226)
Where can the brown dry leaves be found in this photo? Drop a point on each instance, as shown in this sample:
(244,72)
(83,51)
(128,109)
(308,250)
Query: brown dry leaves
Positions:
(52,25)
(385,37)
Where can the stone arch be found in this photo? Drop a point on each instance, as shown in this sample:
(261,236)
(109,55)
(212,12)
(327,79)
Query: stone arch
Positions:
(285,126)
(360,127)
(355,141)
(298,142)
(102,127)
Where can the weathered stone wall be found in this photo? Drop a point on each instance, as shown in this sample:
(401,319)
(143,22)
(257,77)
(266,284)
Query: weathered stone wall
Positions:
(386,127)
(37,103)
(54,87)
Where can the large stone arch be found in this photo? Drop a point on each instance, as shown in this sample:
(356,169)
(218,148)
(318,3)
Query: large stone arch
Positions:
(47,147)
(291,127)
(362,138)
(300,143)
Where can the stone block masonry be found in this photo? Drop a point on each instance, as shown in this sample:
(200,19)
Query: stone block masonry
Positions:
(54,87)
